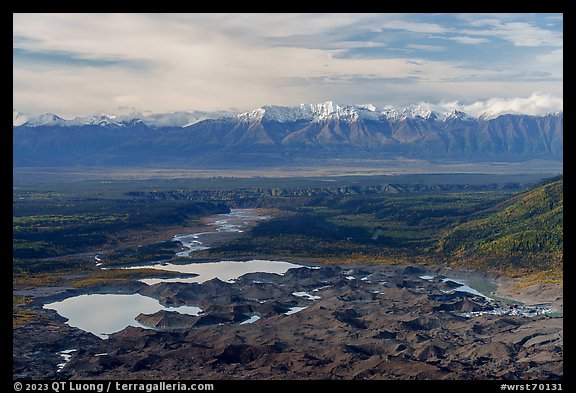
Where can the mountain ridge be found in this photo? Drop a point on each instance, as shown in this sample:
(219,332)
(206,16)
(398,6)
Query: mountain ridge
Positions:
(274,135)
(304,111)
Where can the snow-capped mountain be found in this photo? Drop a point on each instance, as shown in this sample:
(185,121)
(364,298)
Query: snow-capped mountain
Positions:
(310,112)
(328,110)
(96,120)
(19,118)
(331,111)
(276,113)
(458,115)
(157,120)
(45,119)
(275,134)
(179,119)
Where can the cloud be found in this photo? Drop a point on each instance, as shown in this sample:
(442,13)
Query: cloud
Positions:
(468,40)
(535,104)
(555,56)
(519,33)
(76,64)
(60,58)
(189,65)
(427,48)
(415,27)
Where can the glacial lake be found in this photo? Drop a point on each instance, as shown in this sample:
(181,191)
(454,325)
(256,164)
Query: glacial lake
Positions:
(227,271)
(104,314)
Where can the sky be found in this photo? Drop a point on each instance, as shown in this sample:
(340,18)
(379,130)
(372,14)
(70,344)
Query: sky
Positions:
(81,64)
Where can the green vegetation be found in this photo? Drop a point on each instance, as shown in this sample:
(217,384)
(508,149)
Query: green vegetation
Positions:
(516,233)
(21,312)
(117,275)
(52,235)
(481,221)
(548,276)
(380,226)
(525,231)
(32,267)
(143,253)
(61,224)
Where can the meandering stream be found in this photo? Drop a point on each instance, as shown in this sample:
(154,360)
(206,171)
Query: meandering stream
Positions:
(104,314)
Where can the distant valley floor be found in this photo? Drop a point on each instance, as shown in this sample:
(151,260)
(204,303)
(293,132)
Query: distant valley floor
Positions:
(307,168)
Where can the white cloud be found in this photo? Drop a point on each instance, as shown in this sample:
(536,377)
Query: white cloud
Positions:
(535,104)
(415,27)
(519,33)
(188,65)
(427,48)
(468,40)
(164,62)
(554,56)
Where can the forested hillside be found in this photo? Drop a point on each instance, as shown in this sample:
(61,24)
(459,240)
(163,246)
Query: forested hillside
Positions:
(524,232)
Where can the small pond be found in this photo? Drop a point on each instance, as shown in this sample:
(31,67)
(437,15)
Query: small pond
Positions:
(104,314)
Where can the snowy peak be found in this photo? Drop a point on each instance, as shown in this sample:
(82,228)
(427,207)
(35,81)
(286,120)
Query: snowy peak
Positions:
(45,119)
(321,112)
(420,111)
(423,112)
(280,114)
(179,119)
(458,115)
(392,113)
(328,110)
(103,120)
(133,123)
(173,119)
(19,118)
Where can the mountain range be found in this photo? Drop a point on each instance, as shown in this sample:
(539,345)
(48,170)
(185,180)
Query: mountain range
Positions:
(275,135)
